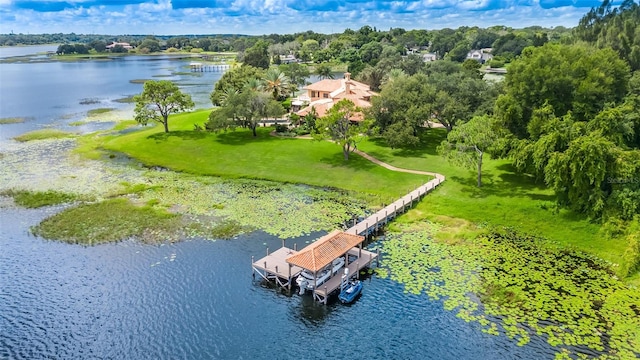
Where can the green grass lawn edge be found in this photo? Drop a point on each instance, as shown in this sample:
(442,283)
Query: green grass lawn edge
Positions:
(507,198)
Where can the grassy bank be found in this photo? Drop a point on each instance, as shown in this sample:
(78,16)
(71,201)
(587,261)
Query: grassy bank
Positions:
(239,155)
(506,199)
(42,135)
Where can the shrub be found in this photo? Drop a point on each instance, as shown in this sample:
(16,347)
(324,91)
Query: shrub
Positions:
(280,128)
(493,63)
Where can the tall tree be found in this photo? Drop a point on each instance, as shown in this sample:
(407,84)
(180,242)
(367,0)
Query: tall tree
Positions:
(297,73)
(257,55)
(567,77)
(246,109)
(467,143)
(235,79)
(324,71)
(276,83)
(337,126)
(158,100)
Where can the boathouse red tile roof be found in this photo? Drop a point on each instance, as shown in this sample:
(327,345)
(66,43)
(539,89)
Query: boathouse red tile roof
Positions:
(326,249)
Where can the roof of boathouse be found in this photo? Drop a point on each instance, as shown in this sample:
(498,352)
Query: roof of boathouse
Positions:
(326,249)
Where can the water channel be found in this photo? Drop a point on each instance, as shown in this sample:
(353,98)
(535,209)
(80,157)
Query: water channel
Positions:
(194,299)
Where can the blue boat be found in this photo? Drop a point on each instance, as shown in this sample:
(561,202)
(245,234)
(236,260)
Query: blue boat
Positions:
(350,291)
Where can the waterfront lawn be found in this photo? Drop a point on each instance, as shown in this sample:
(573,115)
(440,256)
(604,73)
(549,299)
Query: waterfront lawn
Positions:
(505,199)
(238,154)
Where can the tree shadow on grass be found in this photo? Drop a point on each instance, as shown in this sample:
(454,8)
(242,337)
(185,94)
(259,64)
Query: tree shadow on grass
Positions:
(242,137)
(355,162)
(430,139)
(182,134)
(503,185)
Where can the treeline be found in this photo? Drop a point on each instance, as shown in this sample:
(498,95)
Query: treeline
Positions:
(352,46)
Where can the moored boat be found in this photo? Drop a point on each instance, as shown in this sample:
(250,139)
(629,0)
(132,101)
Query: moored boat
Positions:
(307,281)
(350,291)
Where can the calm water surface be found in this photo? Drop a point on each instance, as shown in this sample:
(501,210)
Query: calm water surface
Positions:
(191,300)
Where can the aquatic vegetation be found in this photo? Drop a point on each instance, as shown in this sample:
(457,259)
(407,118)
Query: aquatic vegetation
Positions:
(518,285)
(49,165)
(109,220)
(285,210)
(77,123)
(36,199)
(89,101)
(12,120)
(138,81)
(125,100)
(99,111)
(42,134)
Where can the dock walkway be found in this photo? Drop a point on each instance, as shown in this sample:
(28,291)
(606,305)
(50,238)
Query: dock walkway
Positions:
(275,266)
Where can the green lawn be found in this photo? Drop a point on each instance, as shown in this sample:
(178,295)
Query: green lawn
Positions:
(239,154)
(506,199)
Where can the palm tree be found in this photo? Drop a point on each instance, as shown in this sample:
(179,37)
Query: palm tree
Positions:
(253,84)
(324,71)
(276,83)
(372,76)
(226,94)
(392,75)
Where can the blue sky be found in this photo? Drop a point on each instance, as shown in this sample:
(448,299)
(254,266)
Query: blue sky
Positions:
(277,16)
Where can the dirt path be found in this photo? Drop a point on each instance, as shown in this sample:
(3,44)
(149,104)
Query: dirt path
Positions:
(394,168)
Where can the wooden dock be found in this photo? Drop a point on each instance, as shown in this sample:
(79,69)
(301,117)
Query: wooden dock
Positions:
(281,264)
(373,223)
(274,266)
(200,67)
(364,259)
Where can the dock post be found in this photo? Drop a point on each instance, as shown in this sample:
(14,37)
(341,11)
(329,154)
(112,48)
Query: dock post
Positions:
(358,270)
(324,301)
(289,285)
(267,251)
(295,246)
(282,242)
(253,271)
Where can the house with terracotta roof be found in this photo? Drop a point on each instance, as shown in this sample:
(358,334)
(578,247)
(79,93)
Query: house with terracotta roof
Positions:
(323,94)
(123,44)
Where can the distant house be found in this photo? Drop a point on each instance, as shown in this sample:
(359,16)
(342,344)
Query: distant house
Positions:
(123,44)
(482,55)
(323,94)
(428,57)
(288,59)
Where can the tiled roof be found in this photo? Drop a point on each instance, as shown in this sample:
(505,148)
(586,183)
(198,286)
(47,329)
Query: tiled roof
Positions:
(326,249)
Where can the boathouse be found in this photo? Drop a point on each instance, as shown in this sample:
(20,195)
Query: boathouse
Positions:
(285,264)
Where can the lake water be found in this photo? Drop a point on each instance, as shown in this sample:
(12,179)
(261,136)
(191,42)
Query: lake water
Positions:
(59,93)
(194,299)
